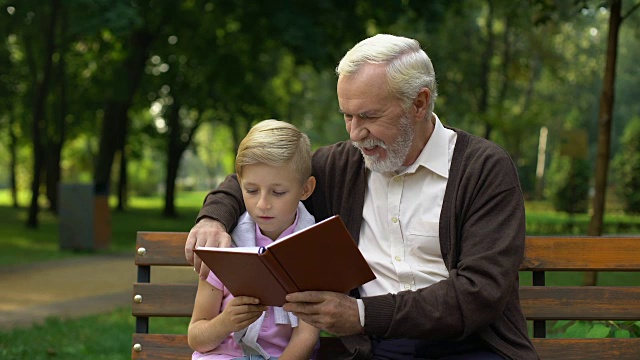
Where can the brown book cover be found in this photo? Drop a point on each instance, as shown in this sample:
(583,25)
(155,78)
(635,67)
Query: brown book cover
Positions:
(321,257)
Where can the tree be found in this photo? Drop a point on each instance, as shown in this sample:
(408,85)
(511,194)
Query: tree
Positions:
(145,19)
(39,123)
(569,191)
(606,114)
(10,109)
(115,121)
(56,129)
(627,164)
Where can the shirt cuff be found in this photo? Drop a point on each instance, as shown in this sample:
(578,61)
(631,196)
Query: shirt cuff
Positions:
(361,311)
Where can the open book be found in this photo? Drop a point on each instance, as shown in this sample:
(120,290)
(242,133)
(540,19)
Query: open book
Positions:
(320,257)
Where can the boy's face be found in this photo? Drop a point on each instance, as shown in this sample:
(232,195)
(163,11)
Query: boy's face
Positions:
(271,195)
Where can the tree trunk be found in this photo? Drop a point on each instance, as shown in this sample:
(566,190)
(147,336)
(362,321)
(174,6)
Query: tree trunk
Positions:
(39,116)
(173,163)
(13,161)
(485,71)
(114,124)
(52,166)
(177,146)
(605,117)
(123,180)
(174,153)
(55,140)
(114,118)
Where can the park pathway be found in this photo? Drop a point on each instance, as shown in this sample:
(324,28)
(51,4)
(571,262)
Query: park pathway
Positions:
(70,288)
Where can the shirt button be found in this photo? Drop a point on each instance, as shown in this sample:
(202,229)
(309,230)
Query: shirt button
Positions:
(398,258)
(266,315)
(394,219)
(407,286)
(397,178)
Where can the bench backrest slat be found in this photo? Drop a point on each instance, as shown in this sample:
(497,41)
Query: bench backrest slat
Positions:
(541,252)
(170,300)
(538,302)
(581,253)
(162,248)
(580,349)
(580,302)
(161,347)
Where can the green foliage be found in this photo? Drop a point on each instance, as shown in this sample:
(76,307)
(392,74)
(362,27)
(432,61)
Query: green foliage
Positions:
(516,66)
(116,15)
(554,223)
(569,184)
(100,337)
(214,147)
(595,329)
(146,174)
(626,167)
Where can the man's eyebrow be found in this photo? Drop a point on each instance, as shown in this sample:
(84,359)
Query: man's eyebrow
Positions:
(364,113)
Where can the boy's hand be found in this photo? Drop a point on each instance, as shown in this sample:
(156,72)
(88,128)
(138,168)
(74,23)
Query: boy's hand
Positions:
(241,312)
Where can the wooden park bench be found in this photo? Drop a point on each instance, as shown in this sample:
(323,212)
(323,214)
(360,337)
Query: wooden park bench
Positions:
(540,303)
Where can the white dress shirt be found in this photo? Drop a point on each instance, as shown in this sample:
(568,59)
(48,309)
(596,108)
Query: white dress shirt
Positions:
(399,236)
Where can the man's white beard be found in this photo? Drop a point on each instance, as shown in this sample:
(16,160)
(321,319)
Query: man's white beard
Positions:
(396,152)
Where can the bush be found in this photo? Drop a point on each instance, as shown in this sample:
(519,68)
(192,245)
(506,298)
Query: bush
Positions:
(595,329)
(568,182)
(626,165)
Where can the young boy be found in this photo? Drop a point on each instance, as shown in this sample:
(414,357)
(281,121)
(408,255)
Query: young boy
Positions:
(273,165)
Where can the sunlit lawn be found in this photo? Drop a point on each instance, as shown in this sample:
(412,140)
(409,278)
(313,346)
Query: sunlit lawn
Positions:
(19,244)
(99,337)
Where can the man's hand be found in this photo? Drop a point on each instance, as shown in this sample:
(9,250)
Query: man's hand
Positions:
(207,232)
(330,311)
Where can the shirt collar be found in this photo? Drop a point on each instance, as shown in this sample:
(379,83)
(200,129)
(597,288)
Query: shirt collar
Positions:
(286,232)
(435,155)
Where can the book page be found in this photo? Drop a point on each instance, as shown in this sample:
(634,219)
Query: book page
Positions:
(245,249)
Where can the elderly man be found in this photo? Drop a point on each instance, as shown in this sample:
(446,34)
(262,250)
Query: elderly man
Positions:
(437,213)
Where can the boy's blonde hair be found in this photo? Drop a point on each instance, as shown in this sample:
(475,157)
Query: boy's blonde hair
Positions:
(276,143)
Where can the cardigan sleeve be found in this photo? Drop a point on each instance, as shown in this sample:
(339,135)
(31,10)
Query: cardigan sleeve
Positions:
(224,204)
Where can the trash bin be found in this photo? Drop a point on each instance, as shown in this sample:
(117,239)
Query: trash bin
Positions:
(85,218)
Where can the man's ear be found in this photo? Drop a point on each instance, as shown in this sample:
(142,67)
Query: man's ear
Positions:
(308,187)
(421,103)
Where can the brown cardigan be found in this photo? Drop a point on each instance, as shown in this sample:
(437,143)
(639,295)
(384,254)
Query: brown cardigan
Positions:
(482,231)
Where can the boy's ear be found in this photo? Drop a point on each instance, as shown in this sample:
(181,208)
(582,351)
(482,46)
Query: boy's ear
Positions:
(308,187)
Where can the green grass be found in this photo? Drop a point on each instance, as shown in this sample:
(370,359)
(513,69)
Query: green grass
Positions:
(549,222)
(21,245)
(542,219)
(99,337)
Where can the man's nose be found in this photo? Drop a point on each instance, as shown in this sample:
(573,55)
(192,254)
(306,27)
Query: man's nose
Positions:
(358,131)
